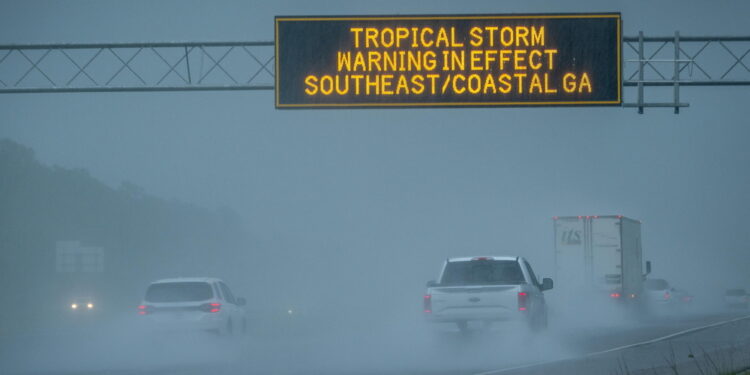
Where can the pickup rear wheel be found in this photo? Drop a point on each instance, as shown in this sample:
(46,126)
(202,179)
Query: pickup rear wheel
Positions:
(539,322)
(544,323)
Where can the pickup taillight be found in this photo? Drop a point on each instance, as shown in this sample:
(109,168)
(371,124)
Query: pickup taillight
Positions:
(427,304)
(523,300)
(145,309)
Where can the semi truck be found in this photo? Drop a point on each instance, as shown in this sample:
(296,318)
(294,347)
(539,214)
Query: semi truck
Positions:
(599,258)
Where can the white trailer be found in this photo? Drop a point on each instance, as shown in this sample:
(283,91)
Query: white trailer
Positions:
(599,257)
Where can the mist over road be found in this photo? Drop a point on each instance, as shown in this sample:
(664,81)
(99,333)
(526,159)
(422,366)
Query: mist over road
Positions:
(371,347)
(330,225)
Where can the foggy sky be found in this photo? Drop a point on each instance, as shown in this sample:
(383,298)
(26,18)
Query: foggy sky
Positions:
(399,190)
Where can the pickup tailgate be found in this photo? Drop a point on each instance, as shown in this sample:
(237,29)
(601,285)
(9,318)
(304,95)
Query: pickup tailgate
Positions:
(492,302)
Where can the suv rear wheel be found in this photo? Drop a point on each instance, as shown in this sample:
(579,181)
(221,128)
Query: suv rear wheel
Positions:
(463,326)
(229,329)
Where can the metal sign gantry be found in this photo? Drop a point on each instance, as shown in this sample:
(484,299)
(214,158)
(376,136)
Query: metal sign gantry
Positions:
(689,61)
(118,67)
(669,62)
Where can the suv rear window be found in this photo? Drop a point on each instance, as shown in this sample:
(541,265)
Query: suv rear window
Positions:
(482,272)
(179,292)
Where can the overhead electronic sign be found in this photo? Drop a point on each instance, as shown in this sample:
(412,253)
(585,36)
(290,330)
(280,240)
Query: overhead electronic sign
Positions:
(439,61)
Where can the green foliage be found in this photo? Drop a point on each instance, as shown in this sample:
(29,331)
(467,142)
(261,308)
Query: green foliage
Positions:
(144,237)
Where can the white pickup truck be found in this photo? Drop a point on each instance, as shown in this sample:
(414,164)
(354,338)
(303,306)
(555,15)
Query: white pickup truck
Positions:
(487,289)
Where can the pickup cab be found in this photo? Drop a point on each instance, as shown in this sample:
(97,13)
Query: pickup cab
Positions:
(487,289)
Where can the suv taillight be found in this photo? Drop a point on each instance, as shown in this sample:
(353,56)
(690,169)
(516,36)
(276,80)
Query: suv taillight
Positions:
(212,307)
(523,299)
(427,304)
(145,309)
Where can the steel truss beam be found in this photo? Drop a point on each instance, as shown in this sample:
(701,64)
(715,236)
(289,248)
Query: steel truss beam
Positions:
(672,61)
(169,66)
(683,61)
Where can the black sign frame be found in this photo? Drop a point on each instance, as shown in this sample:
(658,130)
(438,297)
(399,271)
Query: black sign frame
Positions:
(614,94)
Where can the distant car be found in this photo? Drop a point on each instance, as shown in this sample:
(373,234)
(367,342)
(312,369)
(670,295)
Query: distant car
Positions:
(487,289)
(737,298)
(682,296)
(660,294)
(189,304)
(82,305)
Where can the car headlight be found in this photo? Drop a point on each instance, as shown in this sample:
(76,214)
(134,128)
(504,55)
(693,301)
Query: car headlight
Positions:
(89,305)
(74,306)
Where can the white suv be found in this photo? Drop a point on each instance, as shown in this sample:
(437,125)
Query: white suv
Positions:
(194,303)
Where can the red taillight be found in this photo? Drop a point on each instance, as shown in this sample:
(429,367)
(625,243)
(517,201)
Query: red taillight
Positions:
(212,307)
(523,299)
(667,295)
(144,309)
(427,303)
(615,295)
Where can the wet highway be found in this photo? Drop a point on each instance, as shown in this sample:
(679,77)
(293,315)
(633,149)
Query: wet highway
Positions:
(350,347)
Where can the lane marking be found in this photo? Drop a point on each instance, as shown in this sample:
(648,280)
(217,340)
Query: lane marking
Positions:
(652,341)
